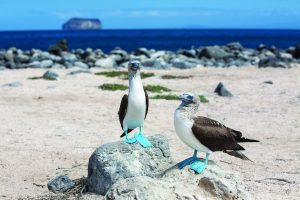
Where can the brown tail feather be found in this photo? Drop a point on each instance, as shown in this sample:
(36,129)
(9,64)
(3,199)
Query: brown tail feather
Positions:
(123,134)
(246,140)
(237,154)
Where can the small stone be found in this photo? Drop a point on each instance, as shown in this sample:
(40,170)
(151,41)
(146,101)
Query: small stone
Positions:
(60,184)
(221,90)
(79,72)
(268,82)
(50,75)
(13,84)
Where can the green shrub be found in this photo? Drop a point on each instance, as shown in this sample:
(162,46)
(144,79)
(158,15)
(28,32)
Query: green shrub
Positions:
(35,78)
(41,77)
(165,96)
(113,87)
(203,99)
(175,77)
(112,73)
(156,88)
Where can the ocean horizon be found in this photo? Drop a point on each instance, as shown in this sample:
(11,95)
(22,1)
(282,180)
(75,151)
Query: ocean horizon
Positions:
(159,39)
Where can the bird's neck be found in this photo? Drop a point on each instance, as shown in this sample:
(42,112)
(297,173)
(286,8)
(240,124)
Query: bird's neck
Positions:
(135,80)
(188,111)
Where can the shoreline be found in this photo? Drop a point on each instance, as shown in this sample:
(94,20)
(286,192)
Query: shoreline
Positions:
(233,54)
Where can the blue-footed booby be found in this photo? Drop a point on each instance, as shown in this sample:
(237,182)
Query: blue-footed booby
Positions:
(204,134)
(134,106)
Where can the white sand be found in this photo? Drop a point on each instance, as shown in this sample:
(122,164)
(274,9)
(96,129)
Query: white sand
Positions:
(49,128)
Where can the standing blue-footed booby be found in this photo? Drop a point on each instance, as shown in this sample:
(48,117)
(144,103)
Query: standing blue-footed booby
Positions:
(204,134)
(134,106)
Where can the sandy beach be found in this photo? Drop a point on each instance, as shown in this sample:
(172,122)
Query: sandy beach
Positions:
(50,128)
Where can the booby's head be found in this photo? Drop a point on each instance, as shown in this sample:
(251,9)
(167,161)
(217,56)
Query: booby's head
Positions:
(189,101)
(134,66)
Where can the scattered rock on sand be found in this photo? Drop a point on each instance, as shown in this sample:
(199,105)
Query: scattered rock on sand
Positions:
(122,171)
(79,72)
(60,184)
(13,84)
(268,82)
(221,90)
(50,75)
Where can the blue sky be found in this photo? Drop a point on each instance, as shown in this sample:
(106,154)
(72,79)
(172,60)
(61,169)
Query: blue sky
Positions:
(51,14)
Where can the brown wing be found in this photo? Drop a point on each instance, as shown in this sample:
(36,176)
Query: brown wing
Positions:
(122,112)
(147,103)
(123,109)
(215,135)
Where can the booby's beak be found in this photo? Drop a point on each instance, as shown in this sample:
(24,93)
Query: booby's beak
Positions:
(180,97)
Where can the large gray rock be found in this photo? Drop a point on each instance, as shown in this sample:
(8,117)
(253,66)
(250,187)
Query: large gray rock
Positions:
(215,52)
(116,161)
(123,171)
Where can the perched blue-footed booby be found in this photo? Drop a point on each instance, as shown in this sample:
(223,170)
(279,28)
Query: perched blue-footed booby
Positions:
(134,106)
(204,134)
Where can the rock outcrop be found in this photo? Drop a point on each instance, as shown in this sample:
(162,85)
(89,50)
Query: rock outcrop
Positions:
(230,55)
(122,171)
(82,24)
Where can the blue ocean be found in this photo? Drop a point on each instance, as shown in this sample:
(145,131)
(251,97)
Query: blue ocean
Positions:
(157,39)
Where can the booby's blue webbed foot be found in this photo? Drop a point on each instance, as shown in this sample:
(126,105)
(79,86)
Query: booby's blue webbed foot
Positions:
(142,140)
(186,162)
(130,140)
(198,166)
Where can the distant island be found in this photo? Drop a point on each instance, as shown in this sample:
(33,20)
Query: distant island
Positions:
(82,24)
